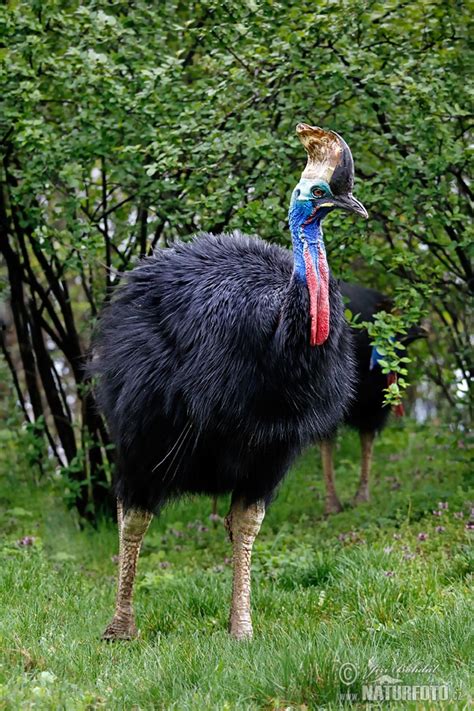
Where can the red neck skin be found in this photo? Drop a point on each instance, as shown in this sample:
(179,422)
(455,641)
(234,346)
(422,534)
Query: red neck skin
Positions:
(317,281)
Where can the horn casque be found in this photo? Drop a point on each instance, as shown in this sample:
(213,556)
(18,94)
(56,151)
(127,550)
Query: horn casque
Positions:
(329,158)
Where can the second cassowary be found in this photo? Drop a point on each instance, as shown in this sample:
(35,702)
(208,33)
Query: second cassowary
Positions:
(217,361)
(367,413)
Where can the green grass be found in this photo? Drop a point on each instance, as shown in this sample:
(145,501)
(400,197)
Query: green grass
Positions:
(358,588)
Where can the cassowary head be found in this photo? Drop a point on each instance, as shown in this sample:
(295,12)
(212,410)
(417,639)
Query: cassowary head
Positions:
(326,183)
(328,179)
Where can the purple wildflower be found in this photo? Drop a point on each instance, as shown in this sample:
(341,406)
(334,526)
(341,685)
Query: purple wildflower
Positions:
(470,526)
(443,505)
(26,541)
(440,529)
(422,536)
(389,573)
(437,513)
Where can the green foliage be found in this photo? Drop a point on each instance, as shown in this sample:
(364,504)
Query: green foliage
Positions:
(385,331)
(360,587)
(125,126)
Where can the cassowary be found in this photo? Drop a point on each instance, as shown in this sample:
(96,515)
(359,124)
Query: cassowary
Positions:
(217,361)
(367,412)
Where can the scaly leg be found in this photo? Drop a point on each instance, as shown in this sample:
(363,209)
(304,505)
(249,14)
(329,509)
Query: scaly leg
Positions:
(119,526)
(119,521)
(243,523)
(367,446)
(133,529)
(332,503)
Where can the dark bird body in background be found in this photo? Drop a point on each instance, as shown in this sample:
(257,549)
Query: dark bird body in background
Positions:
(366,413)
(217,362)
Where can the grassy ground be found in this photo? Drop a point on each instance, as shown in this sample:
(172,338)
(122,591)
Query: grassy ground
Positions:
(381,589)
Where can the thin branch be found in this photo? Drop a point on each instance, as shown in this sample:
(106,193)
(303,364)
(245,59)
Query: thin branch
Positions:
(14,376)
(105,230)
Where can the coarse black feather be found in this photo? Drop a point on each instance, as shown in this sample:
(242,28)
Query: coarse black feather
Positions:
(205,372)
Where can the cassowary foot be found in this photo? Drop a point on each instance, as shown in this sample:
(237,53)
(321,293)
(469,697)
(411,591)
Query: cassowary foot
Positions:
(120,629)
(241,629)
(362,496)
(332,506)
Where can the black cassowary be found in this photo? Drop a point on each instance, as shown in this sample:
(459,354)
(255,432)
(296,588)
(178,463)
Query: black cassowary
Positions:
(217,361)
(367,412)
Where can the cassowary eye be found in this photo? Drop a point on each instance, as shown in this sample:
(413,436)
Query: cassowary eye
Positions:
(317,192)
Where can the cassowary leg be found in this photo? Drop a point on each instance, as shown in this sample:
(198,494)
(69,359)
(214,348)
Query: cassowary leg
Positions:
(243,523)
(367,446)
(332,504)
(119,522)
(133,529)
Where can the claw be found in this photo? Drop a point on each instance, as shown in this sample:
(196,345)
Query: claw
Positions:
(120,630)
(241,630)
(362,496)
(332,506)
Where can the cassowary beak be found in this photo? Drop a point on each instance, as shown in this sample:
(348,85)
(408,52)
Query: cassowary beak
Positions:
(349,202)
(414,333)
(422,331)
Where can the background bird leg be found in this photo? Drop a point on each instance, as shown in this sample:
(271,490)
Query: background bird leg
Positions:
(119,528)
(119,522)
(367,446)
(332,503)
(133,529)
(243,523)
(214,516)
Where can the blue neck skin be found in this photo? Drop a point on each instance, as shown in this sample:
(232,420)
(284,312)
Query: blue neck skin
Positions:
(305,229)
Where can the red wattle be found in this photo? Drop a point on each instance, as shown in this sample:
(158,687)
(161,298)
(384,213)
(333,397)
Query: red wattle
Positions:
(323,298)
(313,287)
(398,410)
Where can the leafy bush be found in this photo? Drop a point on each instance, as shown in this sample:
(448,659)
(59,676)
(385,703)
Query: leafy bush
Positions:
(127,126)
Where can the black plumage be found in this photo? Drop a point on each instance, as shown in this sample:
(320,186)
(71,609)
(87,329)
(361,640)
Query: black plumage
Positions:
(367,412)
(206,375)
(217,361)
